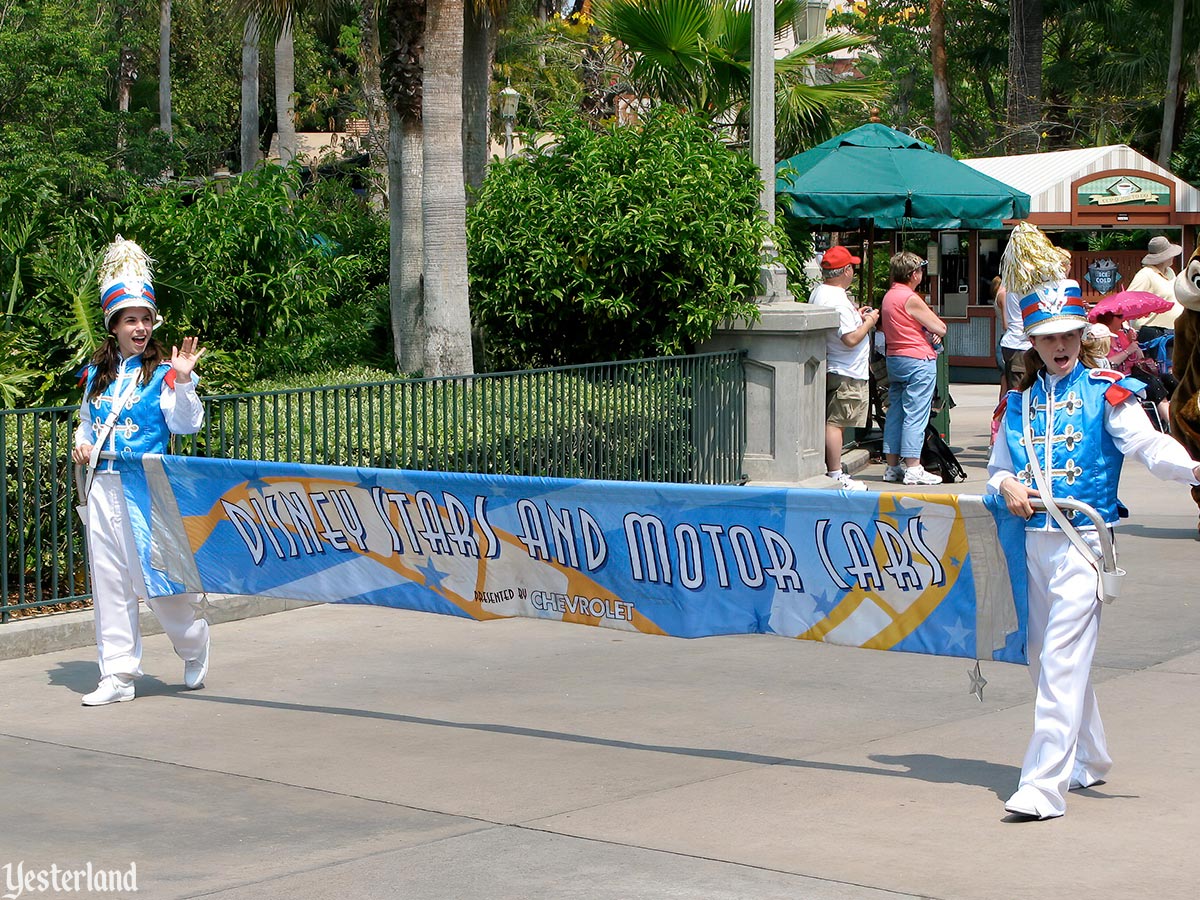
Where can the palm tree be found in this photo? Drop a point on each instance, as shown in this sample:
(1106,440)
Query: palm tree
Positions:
(126,68)
(403,83)
(1025,20)
(249,155)
(481,28)
(164,66)
(273,18)
(697,53)
(443,199)
(422,79)
(941,89)
(1171,101)
(373,100)
(285,88)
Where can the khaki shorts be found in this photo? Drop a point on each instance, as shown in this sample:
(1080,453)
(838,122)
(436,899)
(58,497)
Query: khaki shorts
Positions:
(1014,365)
(845,401)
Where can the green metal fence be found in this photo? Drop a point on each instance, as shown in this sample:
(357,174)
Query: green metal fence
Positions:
(675,419)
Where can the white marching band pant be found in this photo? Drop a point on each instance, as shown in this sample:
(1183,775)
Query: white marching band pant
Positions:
(118,584)
(1064,623)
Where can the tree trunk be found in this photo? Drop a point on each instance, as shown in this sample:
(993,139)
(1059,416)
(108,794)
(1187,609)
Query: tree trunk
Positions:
(376,105)
(1024,75)
(443,198)
(126,73)
(1166,141)
(405,244)
(164,66)
(249,135)
(401,74)
(941,89)
(285,90)
(479,51)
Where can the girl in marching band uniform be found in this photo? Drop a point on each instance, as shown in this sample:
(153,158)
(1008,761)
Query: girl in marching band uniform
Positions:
(134,398)
(1070,426)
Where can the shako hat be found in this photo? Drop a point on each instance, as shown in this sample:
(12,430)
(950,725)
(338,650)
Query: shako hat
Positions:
(125,280)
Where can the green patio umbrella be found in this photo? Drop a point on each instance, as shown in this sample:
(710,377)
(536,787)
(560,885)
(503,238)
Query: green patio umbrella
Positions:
(875,174)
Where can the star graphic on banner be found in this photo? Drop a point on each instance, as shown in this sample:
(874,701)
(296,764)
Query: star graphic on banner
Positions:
(978,682)
(956,634)
(902,514)
(433,577)
(257,484)
(370,481)
(824,606)
(204,606)
(237,584)
(955,562)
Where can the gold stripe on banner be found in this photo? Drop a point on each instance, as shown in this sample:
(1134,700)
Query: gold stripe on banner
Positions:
(866,612)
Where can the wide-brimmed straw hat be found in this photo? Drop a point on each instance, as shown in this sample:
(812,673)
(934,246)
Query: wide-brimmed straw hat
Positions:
(1160,250)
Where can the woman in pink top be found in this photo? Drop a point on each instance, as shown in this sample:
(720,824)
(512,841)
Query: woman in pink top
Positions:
(913,333)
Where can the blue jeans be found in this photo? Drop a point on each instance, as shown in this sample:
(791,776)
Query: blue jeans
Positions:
(910,396)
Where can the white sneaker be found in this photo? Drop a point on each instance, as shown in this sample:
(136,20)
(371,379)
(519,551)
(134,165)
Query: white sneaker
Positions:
(194,670)
(893,474)
(845,483)
(918,475)
(112,689)
(1027,803)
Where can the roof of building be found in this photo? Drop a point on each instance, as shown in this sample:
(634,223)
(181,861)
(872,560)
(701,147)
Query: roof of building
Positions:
(1047,177)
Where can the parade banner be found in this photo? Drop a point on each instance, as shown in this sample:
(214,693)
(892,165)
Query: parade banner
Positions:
(933,573)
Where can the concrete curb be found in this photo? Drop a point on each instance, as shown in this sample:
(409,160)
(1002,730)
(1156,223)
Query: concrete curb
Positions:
(68,631)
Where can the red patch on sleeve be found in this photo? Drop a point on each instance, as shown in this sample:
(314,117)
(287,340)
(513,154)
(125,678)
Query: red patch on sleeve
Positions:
(1117,394)
(169,379)
(1001,407)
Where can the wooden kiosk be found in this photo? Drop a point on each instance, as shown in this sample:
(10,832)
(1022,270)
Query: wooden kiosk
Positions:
(1089,190)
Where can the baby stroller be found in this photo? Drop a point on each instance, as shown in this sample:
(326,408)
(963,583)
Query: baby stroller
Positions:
(1155,370)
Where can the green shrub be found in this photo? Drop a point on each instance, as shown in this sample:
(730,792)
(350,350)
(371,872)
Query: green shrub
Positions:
(273,280)
(622,243)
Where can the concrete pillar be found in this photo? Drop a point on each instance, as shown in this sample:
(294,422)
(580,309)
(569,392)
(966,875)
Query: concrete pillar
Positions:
(785,389)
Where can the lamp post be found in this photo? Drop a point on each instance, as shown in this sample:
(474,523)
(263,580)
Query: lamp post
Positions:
(509,100)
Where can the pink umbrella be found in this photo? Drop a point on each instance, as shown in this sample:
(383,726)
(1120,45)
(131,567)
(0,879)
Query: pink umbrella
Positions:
(1129,305)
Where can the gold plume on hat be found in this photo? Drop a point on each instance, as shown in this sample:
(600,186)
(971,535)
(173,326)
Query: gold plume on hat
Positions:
(1030,259)
(124,261)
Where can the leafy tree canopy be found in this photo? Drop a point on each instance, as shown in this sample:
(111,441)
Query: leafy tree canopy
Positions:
(618,242)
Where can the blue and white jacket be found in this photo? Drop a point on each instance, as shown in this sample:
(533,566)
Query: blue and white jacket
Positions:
(1083,427)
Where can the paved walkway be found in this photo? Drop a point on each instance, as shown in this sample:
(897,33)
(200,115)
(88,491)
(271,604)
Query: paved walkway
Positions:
(355,752)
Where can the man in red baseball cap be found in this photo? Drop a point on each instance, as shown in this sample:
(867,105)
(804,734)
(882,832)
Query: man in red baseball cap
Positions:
(848,357)
(838,258)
